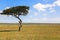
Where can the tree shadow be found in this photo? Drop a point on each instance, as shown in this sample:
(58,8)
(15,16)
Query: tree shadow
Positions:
(8,30)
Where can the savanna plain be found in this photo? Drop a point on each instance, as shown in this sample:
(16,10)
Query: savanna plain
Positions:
(30,31)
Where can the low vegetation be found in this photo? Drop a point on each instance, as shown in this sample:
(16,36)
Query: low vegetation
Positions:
(30,32)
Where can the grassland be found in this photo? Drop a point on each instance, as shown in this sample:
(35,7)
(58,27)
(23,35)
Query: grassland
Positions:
(30,32)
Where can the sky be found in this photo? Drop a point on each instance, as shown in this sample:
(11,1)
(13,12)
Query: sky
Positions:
(41,11)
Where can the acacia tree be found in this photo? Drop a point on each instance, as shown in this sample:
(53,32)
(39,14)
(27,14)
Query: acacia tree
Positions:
(16,12)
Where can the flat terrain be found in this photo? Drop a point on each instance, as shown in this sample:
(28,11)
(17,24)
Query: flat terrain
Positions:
(30,32)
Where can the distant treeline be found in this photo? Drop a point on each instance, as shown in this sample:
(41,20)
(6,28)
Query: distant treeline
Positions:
(30,23)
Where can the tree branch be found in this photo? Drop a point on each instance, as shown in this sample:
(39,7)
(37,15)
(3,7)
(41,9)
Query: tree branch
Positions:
(17,17)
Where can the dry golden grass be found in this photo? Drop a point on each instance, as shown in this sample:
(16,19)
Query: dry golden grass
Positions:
(30,32)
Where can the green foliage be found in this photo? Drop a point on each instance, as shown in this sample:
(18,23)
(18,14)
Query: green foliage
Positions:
(18,10)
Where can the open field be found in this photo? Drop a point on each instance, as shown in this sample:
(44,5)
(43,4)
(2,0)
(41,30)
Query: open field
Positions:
(30,32)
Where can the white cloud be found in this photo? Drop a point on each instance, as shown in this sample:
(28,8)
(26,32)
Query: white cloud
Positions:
(1,11)
(52,11)
(44,14)
(53,20)
(39,7)
(57,2)
(42,7)
(35,19)
(7,7)
(44,20)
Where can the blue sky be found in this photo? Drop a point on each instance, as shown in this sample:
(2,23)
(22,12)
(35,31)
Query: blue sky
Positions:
(41,11)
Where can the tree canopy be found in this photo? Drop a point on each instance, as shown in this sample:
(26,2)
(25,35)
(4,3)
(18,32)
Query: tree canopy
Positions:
(18,10)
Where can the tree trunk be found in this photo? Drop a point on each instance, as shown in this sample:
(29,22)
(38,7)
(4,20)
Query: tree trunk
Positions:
(20,22)
(20,25)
